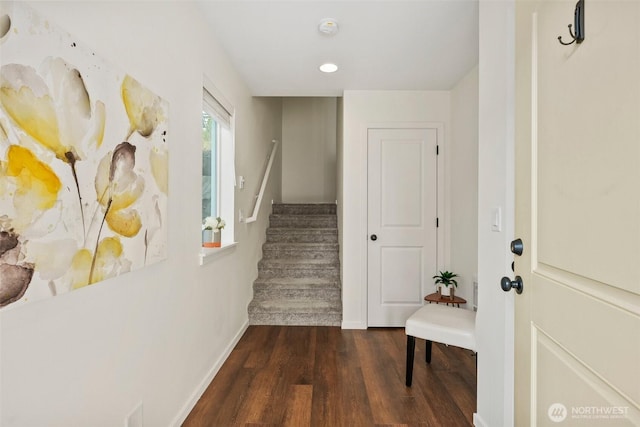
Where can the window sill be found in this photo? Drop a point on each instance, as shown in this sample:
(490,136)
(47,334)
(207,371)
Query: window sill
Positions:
(207,255)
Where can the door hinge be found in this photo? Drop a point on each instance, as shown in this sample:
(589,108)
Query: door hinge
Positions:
(437,150)
(437,222)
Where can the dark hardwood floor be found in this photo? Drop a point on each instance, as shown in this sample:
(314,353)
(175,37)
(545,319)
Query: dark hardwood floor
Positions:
(325,376)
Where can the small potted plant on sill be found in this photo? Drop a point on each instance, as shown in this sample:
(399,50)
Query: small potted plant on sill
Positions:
(212,232)
(446,280)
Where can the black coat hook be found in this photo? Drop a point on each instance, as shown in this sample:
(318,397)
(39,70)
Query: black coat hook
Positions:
(578,23)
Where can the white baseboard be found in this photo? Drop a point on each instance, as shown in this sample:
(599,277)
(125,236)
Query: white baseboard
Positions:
(477,421)
(354,325)
(195,396)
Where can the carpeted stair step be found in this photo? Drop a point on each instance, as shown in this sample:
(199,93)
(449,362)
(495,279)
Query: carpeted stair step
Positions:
(295,312)
(302,221)
(302,235)
(292,267)
(305,209)
(300,250)
(296,288)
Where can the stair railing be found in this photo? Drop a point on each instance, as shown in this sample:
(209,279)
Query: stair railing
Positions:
(263,185)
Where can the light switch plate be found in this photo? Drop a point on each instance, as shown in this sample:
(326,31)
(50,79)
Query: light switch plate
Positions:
(496,219)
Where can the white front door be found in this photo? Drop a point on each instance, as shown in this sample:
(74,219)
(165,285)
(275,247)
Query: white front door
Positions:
(577,359)
(402,211)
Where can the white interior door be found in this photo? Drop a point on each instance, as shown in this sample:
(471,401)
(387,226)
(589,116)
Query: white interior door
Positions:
(578,212)
(402,211)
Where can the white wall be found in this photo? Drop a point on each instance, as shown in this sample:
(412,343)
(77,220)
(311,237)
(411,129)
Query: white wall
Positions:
(494,323)
(340,171)
(463,168)
(309,150)
(155,335)
(360,109)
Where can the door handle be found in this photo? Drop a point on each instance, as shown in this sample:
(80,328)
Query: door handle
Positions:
(507,284)
(374,237)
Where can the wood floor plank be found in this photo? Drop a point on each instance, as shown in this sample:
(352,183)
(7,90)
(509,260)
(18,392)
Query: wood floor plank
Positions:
(298,406)
(460,392)
(325,376)
(383,384)
(265,395)
(344,387)
(433,379)
(327,405)
(257,337)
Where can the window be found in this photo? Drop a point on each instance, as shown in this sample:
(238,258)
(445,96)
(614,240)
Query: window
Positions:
(218,159)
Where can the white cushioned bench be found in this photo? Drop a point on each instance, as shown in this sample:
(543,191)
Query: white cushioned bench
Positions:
(439,323)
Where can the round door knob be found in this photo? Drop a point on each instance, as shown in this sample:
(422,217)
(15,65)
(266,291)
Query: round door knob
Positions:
(507,284)
(374,237)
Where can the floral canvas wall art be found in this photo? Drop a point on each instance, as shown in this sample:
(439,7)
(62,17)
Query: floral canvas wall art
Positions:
(83,164)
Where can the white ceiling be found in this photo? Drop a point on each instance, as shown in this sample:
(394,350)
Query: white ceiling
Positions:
(381,45)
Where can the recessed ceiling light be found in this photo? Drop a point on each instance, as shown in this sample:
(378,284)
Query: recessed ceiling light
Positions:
(328,26)
(328,68)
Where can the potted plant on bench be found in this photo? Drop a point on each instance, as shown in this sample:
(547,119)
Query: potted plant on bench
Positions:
(446,280)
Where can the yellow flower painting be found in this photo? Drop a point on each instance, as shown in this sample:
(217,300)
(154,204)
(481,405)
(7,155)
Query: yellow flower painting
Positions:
(83,164)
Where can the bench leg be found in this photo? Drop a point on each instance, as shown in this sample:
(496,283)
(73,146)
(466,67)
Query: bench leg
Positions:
(411,347)
(427,350)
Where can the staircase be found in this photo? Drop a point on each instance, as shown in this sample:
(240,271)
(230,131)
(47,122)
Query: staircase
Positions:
(299,275)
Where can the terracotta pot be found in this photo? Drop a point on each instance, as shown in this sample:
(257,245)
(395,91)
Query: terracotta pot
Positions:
(211,238)
(207,237)
(217,238)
